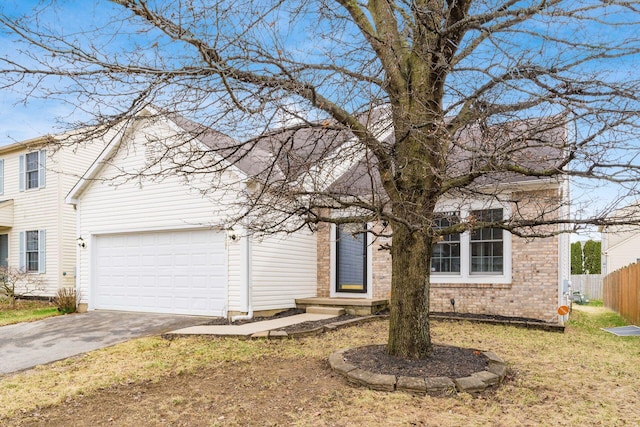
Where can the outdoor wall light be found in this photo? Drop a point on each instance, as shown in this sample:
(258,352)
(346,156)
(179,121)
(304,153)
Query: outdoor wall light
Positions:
(80,242)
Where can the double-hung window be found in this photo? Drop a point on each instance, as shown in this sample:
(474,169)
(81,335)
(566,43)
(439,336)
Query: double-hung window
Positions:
(487,248)
(445,258)
(32,170)
(32,251)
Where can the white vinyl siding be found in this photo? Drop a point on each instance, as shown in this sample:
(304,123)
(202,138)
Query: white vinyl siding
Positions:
(283,268)
(108,206)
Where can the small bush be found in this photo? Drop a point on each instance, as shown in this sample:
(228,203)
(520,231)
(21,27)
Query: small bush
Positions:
(66,300)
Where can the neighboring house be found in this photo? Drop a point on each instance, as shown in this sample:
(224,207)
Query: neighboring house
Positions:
(620,244)
(37,229)
(165,244)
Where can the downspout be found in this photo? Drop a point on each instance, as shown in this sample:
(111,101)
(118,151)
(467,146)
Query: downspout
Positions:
(247,280)
(564,261)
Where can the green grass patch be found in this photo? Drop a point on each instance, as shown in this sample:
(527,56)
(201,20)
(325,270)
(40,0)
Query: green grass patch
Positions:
(596,303)
(592,321)
(25,311)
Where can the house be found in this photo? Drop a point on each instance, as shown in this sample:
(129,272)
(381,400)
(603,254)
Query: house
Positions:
(171,242)
(620,244)
(37,229)
(174,242)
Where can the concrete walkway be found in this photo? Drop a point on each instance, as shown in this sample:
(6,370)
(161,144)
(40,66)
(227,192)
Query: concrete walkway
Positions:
(249,329)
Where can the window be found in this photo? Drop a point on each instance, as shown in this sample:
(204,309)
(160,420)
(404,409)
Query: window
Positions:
(446,253)
(480,256)
(32,251)
(32,170)
(487,244)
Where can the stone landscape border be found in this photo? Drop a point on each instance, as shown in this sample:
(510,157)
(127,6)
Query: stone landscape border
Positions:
(278,334)
(475,383)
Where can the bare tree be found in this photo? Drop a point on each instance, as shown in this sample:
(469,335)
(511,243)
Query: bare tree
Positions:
(425,101)
(16,283)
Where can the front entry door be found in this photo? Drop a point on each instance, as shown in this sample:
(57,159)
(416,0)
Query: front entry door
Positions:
(351,260)
(4,250)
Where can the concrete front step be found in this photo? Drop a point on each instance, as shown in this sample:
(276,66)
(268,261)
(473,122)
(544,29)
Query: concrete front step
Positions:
(337,311)
(354,306)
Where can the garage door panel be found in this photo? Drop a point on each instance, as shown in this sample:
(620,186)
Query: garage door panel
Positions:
(180,272)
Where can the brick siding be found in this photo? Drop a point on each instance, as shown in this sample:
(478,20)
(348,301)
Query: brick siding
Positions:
(533,292)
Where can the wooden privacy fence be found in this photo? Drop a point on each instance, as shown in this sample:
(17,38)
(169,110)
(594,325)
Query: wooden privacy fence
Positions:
(622,292)
(589,284)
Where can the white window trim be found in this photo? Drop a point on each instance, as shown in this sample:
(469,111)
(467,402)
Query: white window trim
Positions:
(465,275)
(332,268)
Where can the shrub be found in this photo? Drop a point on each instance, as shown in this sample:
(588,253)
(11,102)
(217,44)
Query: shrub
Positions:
(16,283)
(66,300)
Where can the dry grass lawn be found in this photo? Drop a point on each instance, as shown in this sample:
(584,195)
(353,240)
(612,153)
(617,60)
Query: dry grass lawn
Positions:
(579,378)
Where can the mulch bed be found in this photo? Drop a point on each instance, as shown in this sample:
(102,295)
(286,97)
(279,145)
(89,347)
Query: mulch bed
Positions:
(445,361)
(305,326)
(507,319)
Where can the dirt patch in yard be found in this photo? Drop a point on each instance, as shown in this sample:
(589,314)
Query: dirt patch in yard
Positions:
(261,392)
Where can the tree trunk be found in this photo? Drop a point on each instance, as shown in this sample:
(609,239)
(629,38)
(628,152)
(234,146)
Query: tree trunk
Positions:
(409,335)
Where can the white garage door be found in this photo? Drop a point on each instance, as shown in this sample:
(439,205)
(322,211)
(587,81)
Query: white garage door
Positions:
(181,272)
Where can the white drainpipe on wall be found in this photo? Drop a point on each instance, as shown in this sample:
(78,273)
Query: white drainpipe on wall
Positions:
(246,248)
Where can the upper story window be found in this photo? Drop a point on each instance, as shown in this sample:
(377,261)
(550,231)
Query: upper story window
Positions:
(32,170)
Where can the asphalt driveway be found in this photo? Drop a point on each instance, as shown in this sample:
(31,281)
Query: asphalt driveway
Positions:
(26,345)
